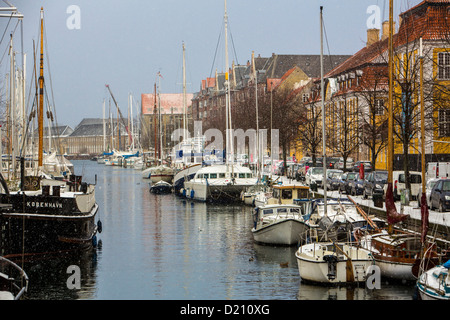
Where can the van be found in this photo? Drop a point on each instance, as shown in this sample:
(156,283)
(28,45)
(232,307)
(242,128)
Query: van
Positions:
(438,170)
(399,183)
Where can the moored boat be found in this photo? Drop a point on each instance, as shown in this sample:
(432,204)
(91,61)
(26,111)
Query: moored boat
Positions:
(13,280)
(219,183)
(47,214)
(161,187)
(278,224)
(59,215)
(434,284)
(184,175)
(333,263)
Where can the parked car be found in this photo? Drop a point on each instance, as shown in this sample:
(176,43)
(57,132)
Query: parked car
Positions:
(399,181)
(340,164)
(333,178)
(314,174)
(429,186)
(346,178)
(306,166)
(356,186)
(367,166)
(331,162)
(374,183)
(292,170)
(440,195)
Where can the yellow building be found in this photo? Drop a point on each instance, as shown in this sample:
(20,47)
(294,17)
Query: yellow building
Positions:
(357,90)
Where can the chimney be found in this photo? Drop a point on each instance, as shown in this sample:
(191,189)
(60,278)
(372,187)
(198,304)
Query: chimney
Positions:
(372,36)
(385,30)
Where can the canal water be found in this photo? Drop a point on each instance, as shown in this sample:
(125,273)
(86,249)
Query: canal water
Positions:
(162,247)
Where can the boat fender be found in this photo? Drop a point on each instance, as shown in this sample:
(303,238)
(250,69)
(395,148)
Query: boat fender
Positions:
(99,226)
(94,241)
(192,194)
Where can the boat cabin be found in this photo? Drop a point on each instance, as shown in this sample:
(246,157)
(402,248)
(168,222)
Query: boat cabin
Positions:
(287,194)
(222,172)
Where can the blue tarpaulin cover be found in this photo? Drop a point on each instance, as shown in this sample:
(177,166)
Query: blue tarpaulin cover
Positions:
(447,264)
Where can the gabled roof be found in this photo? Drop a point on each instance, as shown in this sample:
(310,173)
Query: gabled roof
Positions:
(94,127)
(364,56)
(429,20)
(56,131)
(279,64)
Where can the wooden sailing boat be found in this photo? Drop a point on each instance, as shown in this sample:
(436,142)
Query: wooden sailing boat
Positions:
(398,252)
(47,214)
(160,172)
(330,261)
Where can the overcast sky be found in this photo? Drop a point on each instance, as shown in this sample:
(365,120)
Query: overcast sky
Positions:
(126,43)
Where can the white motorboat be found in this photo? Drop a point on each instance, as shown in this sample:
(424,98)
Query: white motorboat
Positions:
(183,175)
(261,197)
(434,284)
(333,263)
(219,183)
(278,224)
(287,194)
(250,194)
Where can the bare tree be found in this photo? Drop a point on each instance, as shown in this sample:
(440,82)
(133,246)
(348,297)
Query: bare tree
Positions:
(372,114)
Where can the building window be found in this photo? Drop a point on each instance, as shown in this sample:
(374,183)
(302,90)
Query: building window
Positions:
(444,65)
(379,107)
(444,123)
(305,97)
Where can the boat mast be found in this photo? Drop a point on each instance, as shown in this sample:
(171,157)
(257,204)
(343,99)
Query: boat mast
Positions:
(390,107)
(104,127)
(323,118)
(154,124)
(161,150)
(184,95)
(258,166)
(227,96)
(424,205)
(41,94)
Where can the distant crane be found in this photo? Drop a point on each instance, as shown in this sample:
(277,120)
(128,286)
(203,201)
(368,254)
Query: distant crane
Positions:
(130,138)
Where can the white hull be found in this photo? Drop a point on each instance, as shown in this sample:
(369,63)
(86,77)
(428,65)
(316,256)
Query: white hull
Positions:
(219,191)
(219,183)
(313,266)
(282,232)
(434,284)
(249,198)
(396,270)
(184,175)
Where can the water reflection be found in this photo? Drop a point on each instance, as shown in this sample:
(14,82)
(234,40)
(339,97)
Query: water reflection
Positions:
(164,247)
(49,275)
